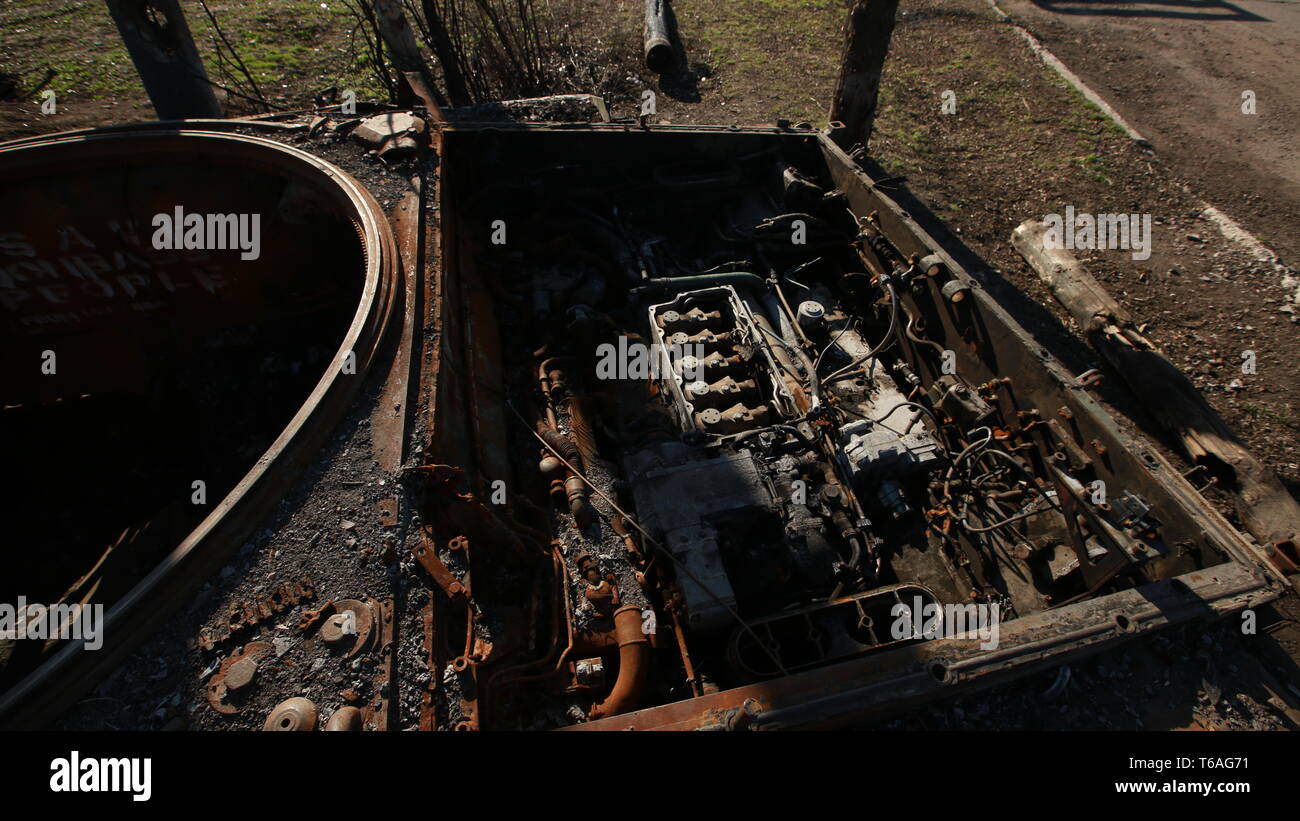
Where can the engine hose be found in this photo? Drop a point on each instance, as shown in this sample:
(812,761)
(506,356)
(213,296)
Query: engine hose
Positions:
(581,430)
(855,556)
(889,335)
(633,664)
(560,442)
(573,487)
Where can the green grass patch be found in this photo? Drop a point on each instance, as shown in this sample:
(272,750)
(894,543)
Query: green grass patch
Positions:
(297,44)
(1286,419)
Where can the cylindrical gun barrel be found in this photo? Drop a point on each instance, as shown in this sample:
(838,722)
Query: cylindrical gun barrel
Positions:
(658,46)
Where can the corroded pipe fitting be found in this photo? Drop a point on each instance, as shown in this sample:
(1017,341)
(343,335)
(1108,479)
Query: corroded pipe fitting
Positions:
(633,664)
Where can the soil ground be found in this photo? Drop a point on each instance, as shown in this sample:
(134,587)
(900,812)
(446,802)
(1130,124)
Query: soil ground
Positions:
(1021,144)
(1178,73)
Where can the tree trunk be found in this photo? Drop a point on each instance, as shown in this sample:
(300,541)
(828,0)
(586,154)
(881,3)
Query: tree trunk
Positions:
(866,43)
(1267,510)
(440,41)
(406,55)
(163,51)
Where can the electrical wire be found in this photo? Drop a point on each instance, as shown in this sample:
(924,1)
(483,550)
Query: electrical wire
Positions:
(818,361)
(969,449)
(909,404)
(1024,513)
(884,343)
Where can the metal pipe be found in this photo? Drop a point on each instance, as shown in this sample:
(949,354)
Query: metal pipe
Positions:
(580,426)
(691,678)
(660,549)
(629,542)
(786,364)
(740,279)
(560,600)
(884,343)
(789,322)
(782,351)
(633,664)
(575,489)
(658,43)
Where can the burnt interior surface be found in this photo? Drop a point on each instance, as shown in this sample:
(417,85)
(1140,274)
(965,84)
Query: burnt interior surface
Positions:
(830,423)
(165,367)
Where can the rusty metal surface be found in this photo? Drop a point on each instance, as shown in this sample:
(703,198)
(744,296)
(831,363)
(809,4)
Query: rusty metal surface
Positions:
(235,674)
(351,628)
(345,719)
(465,378)
(427,556)
(294,715)
(249,614)
(852,691)
(392,412)
(72,670)
(428,712)
(378,713)
(501,624)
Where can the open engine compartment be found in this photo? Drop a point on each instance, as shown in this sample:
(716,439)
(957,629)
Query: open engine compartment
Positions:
(716,429)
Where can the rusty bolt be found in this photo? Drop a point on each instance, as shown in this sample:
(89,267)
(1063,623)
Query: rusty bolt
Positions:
(1098,447)
(743,716)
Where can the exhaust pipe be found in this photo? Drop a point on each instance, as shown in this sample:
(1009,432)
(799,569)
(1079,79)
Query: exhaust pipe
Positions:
(633,664)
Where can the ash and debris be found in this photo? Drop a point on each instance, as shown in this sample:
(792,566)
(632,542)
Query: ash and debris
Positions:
(599,541)
(326,530)
(410,670)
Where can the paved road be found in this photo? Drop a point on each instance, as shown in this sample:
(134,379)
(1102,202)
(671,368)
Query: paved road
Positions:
(1176,70)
